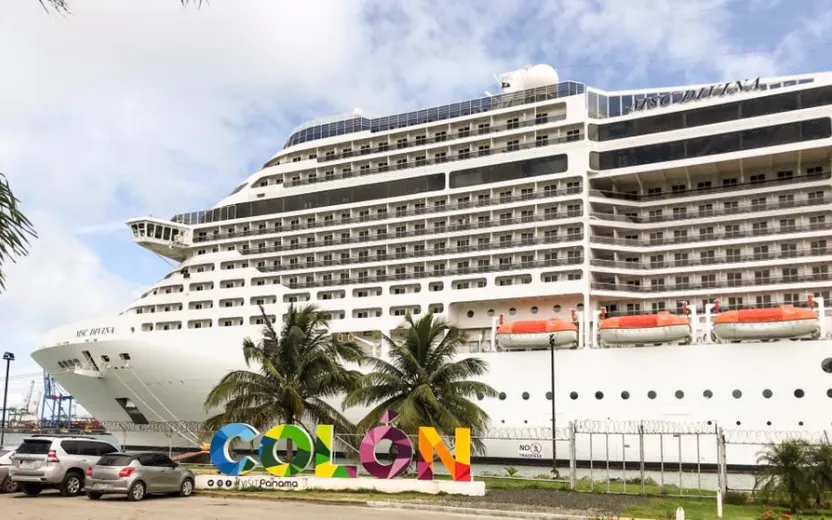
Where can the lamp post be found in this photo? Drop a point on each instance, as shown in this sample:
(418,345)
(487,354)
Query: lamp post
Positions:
(554,423)
(8,357)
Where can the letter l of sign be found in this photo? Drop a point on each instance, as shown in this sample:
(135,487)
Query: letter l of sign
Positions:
(324,446)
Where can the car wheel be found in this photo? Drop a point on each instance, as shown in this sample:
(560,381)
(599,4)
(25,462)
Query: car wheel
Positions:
(187,488)
(92,495)
(31,489)
(72,484)
(136,491)
(8,486)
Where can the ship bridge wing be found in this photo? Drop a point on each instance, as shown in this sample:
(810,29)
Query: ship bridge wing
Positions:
(169,239)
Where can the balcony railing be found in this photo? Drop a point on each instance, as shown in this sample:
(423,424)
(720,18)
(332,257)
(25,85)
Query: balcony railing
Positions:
(415,233)
(634,219)
(716,260)
(772,280)
(437,274)
(422,254)
(693,192)
(546,194)
(707,237)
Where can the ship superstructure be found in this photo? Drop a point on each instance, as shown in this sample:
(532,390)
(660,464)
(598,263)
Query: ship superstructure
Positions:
(670,243)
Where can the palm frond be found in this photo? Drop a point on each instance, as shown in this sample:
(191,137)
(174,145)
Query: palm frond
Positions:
(15,228)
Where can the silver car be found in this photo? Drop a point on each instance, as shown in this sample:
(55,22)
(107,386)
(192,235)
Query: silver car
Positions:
(6,484)
(56,462)
(137,474)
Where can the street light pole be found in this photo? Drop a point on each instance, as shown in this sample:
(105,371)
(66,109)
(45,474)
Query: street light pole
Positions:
(8,357)
(554,423)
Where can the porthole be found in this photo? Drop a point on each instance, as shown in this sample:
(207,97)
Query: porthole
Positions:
(799,393)
(739,423)
(525,396)
(599,395)
(548,396)
(502,396)
(625,395)
(651,394)
(480,397)
(470,314)
(710,423)
(829,393)
(707,394)
(525,421)
(826,365)
(512,311)
(490,312)
(556,308)
(533,310)
(737,394)
(680,394)
(768,423)
(573,395)
(767,393)
(800,423)
(580,306)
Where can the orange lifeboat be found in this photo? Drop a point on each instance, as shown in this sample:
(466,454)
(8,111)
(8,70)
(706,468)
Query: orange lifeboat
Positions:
(536,333)
(641,329)
(784,322)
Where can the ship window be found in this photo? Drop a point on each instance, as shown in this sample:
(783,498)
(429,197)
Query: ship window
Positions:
(713,144)
(470,314)
(490,312)
(625,395)
(680,394)
(125,356)
(737,394)
(739,423)
(829,393)
(525,396)
(768,423)
(767,393)
(573,395)
(800,423)
(556,308)
(599,395)
(512,311)
(534,310)
(549,395)
(509,171)
(480,397)
(502,396)
(799,393)
(651,394)
(826,365)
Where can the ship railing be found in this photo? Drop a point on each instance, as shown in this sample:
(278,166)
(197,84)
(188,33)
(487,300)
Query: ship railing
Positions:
(769,280)
(707,237)
(715,260)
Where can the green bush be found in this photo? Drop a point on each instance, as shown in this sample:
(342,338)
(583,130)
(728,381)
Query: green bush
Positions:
(796,474)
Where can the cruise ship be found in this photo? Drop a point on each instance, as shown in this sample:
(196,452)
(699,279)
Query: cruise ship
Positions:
(667,247)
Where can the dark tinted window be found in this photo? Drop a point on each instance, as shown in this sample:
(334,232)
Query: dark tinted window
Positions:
(71,447)
(761,106)
(712,144)
(509,171)
(318,199)
(115,460)
(34,447)
(104,448)
(154,459)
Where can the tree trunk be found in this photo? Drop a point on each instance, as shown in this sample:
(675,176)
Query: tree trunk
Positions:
(290,452)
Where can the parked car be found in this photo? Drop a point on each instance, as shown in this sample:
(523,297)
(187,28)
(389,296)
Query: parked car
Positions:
(6,484)
(56,462)
(137,474)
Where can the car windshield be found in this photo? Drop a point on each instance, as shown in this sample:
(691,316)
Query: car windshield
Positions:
(115,460)
(34,447)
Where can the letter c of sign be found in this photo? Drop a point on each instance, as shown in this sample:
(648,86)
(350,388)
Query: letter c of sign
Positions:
(221,449)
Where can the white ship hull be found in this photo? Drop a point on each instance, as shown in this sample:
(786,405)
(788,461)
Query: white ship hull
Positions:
(168,380)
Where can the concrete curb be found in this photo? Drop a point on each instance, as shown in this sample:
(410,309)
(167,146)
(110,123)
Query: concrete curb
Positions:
(532,515)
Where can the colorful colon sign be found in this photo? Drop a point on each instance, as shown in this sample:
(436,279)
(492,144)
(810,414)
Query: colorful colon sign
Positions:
(430,443)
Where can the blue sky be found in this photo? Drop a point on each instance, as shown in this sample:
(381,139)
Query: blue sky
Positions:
(135,107)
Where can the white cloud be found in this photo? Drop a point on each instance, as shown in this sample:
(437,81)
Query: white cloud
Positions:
(131,107)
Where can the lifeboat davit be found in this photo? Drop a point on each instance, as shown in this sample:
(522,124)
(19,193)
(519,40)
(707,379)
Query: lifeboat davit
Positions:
(784,322)
(642,329)
(536,333)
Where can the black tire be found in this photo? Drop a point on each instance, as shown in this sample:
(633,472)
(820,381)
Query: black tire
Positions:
(7,486)
(187,488)
(31,490)
(92,495)
(137,491)
(73,484)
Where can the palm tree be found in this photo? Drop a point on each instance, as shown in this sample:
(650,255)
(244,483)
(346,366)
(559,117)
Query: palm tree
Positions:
(785,472)
(15,228)
(295,371)
(820,462)
(423,384)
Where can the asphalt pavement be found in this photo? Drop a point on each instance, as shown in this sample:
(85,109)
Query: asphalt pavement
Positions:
(52,506)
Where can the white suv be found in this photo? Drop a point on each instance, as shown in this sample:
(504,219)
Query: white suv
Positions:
(56,462)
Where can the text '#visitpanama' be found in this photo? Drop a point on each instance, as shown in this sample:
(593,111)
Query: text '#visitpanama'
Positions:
(430,443)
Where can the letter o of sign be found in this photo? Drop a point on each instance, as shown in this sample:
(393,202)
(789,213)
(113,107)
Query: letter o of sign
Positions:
(367,452)
(268,450)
